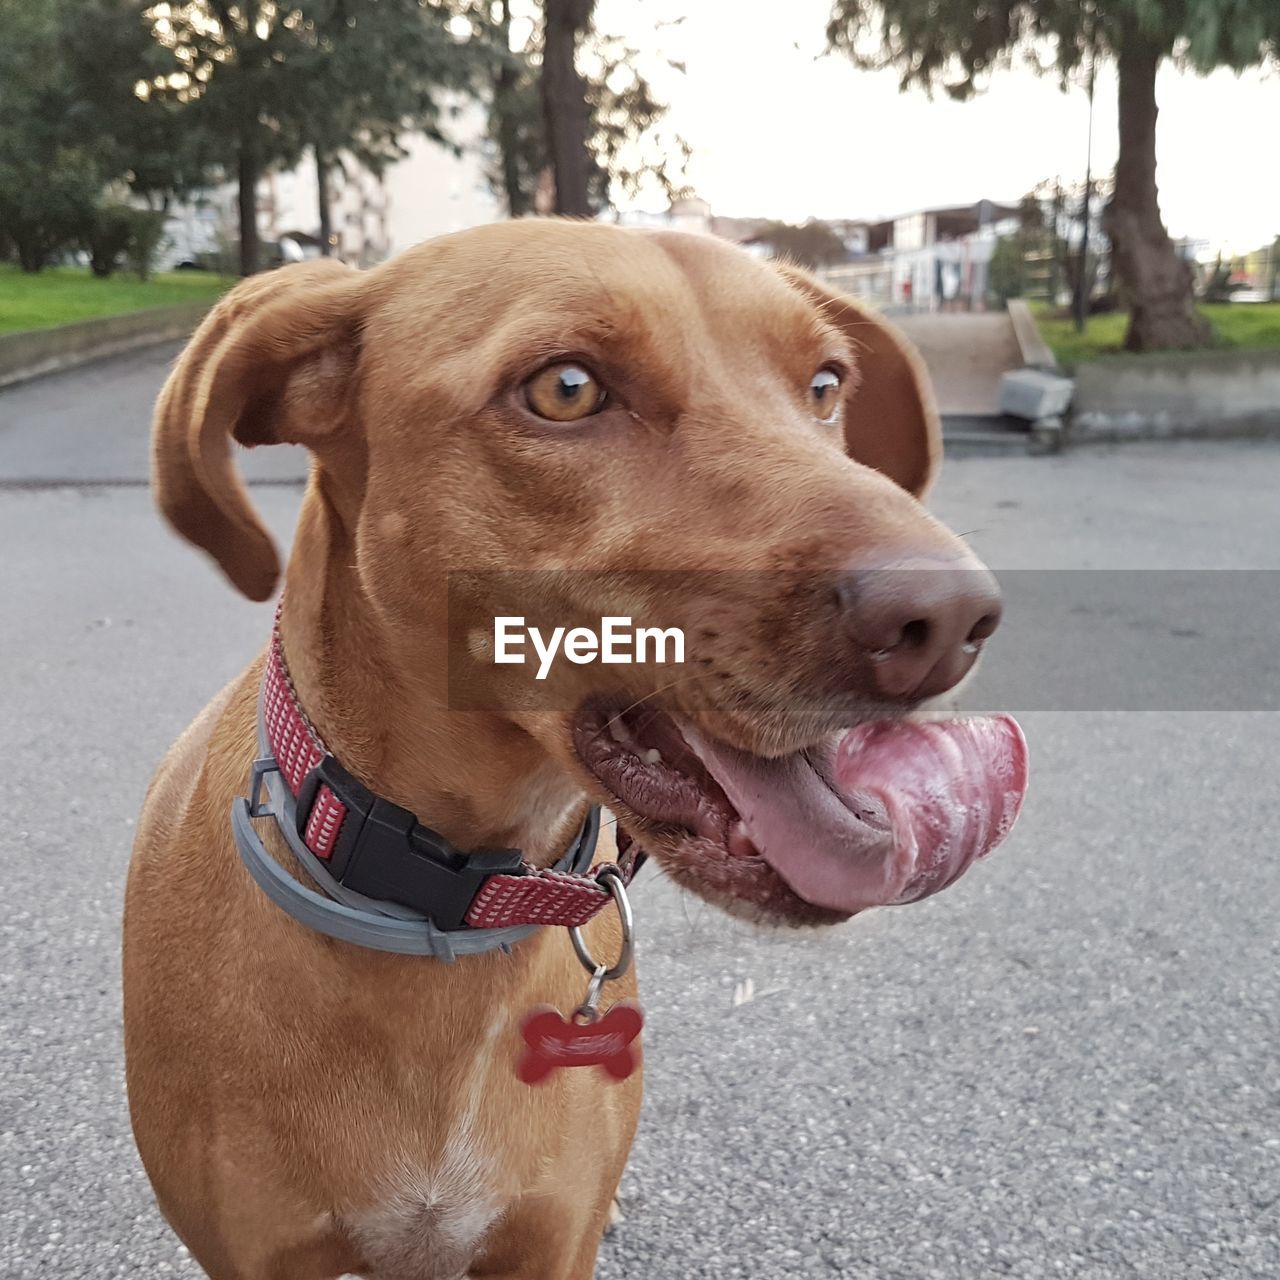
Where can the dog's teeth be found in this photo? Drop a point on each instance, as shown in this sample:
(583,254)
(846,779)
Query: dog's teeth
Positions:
(652,756)
(617,730)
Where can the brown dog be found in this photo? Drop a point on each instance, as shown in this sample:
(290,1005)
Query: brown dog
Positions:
(532,395)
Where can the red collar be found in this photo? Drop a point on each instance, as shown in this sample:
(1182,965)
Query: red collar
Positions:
(383,852)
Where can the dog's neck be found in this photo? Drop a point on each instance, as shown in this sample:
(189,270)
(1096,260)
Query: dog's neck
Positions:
(479,780)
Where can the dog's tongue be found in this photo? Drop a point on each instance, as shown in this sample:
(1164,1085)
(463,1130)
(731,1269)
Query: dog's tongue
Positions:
(906,807)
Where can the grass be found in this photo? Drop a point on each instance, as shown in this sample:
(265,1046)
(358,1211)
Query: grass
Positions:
(61,295)
(1241,325)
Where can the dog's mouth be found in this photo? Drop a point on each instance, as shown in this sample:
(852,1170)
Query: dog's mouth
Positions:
(884,812)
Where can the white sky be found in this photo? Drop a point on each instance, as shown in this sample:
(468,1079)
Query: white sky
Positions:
(778,131)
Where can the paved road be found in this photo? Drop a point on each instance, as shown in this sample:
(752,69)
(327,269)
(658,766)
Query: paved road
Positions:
(1066,1066)
(90,427)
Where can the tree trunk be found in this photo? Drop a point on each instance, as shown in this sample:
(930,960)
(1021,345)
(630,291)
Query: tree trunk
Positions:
(248,205)
(564,105)
(1156,282)
(32,256)
(504,91)
(1055,245)
(323,199)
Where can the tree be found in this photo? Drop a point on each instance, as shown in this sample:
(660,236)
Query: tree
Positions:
(262,80)
(239,86)
(47,184)
(627,139)
(624,144)
(379,67)
(71,127)
(506,114)
(141,141)
(813,244)
(1007,272)
(1028,261)
(953,44)
(566,112)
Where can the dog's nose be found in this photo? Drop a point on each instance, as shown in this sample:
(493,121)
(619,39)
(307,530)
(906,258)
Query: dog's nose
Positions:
(919,622)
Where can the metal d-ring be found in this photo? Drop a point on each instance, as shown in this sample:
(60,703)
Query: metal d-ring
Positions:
(610,877)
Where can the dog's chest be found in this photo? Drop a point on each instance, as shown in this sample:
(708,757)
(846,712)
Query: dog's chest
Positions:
(429,1223)
(430,1216)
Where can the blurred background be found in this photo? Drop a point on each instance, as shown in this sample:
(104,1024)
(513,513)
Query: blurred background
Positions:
(927,156)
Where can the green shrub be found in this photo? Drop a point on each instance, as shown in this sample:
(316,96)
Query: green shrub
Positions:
(114,232)
(107,231)
(1006,272)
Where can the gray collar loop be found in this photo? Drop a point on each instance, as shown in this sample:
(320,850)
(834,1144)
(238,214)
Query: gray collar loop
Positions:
(349,916)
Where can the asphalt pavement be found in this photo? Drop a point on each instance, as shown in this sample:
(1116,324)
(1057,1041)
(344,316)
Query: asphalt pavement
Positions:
(1064,1066)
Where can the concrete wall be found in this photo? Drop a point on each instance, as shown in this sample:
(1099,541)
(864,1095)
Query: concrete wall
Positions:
(1179,393)
(34,352)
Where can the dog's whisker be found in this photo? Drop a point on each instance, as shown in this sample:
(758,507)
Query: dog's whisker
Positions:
(616,717)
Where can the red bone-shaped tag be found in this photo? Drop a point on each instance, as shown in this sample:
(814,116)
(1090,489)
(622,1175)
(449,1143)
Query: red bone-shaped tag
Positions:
(553,1041)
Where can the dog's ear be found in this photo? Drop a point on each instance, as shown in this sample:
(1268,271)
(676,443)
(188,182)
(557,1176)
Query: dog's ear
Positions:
(272,363)
(892,422)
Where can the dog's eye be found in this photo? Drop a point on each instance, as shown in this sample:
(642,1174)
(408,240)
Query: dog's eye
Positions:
(824,391)
(564,393)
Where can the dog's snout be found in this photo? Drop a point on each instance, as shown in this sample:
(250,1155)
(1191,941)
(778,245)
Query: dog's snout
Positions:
(918,623)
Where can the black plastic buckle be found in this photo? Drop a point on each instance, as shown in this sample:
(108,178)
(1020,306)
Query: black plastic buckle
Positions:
(384,852)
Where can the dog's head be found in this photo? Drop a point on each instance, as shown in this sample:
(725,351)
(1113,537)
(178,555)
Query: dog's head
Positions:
(617,416)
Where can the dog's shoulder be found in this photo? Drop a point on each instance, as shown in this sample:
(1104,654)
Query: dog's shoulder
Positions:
(177,780)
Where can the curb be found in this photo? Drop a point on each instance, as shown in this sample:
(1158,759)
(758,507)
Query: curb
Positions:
(35,352)
(1145,430)
(966,435)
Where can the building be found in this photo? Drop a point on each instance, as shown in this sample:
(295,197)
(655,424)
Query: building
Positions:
(930,259)
(436,190)
(687,213)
